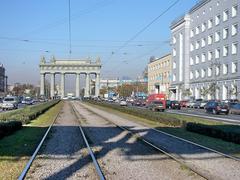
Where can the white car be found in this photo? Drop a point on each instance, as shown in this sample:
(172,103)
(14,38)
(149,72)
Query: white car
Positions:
(123,103)
(10,102)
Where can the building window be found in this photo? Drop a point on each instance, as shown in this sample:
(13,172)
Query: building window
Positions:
(203,73)
(225,15)
(234,48)
(234,29)
(203,57)
(234,11)
(197,74)
(210,39)
(197,59)
(197,44)
(191,47)
(210,55)
(217,19)
(217,36)
(191,61)
(174,77)
(217,70)
(209,72)
(225,51)
(210,23)
(191,75)
(197,30)
(203,42)
(191,33)
(174,52)
(225,33)
(217,53)
(203,27)
(234,67)
(174,40)
(225,69)
(174,65)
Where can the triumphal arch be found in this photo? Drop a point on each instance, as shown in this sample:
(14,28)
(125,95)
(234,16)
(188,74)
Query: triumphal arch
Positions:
(63,67)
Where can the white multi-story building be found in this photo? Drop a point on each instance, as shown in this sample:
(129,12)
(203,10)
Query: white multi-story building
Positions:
(205,50)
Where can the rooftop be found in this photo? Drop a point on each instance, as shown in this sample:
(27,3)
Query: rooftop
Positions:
(180,19)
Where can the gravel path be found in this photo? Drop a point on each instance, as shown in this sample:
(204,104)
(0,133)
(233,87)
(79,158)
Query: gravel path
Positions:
(212,165)
(121,156)
(63,155)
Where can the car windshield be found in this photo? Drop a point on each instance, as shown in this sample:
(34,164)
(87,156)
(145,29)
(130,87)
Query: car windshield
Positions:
(9,99)
(158,102)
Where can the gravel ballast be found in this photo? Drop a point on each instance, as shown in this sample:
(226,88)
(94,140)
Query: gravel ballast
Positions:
(63,155)
(122,156)
(210,164)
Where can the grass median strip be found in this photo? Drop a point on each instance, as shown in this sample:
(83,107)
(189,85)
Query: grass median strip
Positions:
(214,143)
(16,149)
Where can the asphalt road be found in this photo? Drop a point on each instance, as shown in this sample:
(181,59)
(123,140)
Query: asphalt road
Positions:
(230,118)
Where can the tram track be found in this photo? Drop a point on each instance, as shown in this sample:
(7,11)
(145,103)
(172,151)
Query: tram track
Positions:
(176,157)
(90,151)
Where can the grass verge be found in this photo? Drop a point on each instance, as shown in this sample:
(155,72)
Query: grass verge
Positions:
(214,143)
(16,149)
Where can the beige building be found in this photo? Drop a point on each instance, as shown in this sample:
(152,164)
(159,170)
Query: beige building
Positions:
(159,75)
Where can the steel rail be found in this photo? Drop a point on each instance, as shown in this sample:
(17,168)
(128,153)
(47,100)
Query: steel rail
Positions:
(196,144)
(138,136)
(98,169)
(28,165)
(190,142)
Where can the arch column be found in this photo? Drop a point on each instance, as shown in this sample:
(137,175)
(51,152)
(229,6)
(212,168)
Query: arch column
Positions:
(77,85)
(62,85)
(52,91)
(86,94)
(42,84)
(97,84)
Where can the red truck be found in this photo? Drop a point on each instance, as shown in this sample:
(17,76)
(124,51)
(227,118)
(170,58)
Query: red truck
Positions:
(156,102)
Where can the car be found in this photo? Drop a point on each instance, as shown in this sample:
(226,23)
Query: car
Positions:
(203,104)
(235,109)
(138,102)
(217,107)
(123,103)
(175,105)
(27,101)
(200,104)
(190,104)
(110,100)
(65,98)
(183,103)
(10,102)
(168,104)
(157,106)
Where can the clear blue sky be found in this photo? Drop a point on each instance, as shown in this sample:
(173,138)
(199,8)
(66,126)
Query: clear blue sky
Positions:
(99,27)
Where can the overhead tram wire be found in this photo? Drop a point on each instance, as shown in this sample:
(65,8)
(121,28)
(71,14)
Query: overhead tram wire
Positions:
(142,30)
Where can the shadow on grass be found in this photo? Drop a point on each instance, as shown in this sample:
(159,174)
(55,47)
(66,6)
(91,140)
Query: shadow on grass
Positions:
(21,143)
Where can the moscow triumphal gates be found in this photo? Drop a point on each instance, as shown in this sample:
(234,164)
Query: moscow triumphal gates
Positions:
(77,67)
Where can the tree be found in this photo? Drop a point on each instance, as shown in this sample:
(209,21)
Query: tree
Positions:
(204,92)
(186,92)
(212,89)
(103,90)
(233,91)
